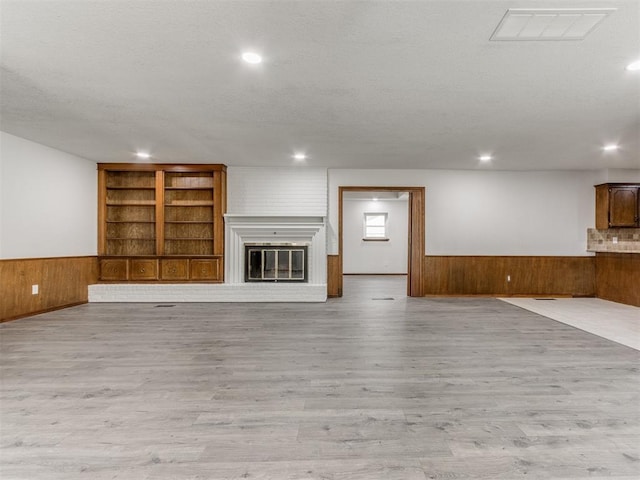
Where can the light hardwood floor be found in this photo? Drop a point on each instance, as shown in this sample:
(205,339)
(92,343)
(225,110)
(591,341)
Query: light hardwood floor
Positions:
(401,389)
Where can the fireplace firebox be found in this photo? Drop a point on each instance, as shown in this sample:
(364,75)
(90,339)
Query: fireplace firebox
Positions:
(275,263)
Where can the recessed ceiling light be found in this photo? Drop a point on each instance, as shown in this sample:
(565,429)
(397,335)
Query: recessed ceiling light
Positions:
(143,155)
(634,66)
(251,57)
(612,147)
(375,199)
(300,156)
(485,158)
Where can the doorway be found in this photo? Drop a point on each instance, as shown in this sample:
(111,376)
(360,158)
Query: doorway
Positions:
(375,233)
(415,244)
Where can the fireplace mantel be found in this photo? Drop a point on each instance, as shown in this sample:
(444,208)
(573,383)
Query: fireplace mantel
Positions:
(230,218)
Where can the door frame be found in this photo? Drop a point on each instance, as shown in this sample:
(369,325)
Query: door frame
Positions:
(416,229)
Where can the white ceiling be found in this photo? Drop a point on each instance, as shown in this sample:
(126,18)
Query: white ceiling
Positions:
(385,84)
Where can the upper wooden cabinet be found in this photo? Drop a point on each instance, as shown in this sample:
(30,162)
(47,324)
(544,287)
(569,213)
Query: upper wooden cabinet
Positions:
(160,210)
(617,205)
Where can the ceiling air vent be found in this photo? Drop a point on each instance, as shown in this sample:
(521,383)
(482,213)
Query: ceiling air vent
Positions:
(549,24)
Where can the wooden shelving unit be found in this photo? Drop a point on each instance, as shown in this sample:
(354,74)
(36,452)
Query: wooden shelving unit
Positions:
(189,197)
(130,200)
(168,214)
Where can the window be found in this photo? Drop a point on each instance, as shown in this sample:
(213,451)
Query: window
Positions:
(375,226)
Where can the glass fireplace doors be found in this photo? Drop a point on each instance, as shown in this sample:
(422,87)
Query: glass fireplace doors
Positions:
(270,263)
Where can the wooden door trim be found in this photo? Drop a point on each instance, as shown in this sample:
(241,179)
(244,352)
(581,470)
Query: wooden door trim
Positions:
(416,230)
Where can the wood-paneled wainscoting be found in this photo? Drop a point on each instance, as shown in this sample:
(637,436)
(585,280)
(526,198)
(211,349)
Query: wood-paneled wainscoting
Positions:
(618,277)
(334,276)
(62,282)
(509,275)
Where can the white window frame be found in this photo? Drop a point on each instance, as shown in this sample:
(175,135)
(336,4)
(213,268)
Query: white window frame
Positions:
(365,227)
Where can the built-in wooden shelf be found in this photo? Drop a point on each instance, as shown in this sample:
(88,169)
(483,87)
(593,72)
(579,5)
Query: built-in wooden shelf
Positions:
(132,203)
(132,239)
(198,239)
(130,221)
(161,211)
(186,222)
(188,203)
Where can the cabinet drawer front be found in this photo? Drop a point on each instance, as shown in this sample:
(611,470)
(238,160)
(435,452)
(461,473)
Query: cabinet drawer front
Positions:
(113,269)
(205,269)
(174,269)
(143,269)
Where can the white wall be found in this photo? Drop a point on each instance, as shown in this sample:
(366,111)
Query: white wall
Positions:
(375,257)
(619,175)
(277,191)
(48,201)
(2,201)
(485,212)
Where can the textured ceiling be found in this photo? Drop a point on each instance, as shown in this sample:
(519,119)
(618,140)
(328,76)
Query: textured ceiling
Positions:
(387,84)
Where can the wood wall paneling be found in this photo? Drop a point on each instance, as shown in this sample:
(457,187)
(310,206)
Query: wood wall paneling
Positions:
(416,248)
(334,276)
(618,277)
(507,275)
(61,282)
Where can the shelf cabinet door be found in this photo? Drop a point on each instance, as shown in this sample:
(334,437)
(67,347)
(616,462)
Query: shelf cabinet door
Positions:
(623,207)
(205,269)
(113,269)
(143,269)
(174,269)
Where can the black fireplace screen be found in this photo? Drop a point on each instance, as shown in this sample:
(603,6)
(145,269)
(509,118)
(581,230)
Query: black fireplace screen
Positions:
(269,263)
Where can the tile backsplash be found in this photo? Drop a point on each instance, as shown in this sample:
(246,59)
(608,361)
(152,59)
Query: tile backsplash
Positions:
(624,240)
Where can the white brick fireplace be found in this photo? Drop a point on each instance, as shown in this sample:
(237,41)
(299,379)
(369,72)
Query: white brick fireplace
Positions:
(270,229)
